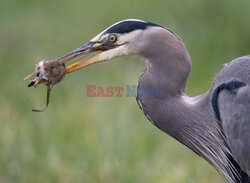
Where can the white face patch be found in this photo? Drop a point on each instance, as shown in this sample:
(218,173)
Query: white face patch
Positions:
(113,53)
(125,38)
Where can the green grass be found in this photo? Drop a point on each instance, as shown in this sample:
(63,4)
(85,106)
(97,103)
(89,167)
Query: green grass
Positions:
(91,140)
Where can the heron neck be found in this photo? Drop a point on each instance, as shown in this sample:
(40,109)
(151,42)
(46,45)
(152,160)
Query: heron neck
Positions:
(190,120)
(174,111)
(168,67)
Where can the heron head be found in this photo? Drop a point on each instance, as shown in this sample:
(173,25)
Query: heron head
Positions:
(120,39)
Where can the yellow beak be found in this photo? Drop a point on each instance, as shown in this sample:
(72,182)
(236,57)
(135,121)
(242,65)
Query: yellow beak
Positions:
(83,63)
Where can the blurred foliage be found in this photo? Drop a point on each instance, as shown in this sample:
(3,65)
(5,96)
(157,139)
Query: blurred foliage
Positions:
(81,139)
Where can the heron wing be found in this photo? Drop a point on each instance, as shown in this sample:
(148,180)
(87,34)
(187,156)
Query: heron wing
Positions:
(234,108)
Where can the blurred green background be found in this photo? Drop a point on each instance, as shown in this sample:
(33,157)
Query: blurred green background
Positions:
(91,140)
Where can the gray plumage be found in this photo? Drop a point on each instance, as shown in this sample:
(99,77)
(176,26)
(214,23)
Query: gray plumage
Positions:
(235,110)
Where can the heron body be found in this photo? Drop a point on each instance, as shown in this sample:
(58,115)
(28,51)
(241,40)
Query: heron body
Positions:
(215,125)
(192,120)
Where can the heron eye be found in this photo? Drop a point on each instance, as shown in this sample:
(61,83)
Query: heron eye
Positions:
(112,38)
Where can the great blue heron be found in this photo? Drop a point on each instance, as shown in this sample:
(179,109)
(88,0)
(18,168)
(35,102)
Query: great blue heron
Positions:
(215,125)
